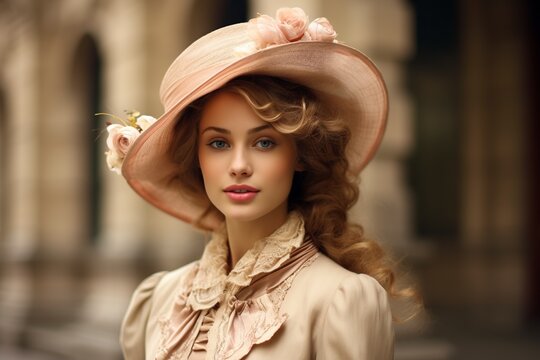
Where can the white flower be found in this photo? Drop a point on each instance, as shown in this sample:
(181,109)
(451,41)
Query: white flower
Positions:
(144,121)
(114,161)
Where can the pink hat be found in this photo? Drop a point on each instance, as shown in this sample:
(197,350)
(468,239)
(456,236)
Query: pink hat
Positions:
(287,47)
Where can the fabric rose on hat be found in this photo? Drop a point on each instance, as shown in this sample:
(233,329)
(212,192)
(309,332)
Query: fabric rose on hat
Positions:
(144,121)
(114,161)
(122,137)
(293,22)
(321,30)
(290,25)
(119,141)
(264,30)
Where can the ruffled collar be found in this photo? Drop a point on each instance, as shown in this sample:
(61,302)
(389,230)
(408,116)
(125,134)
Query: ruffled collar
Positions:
(212,284)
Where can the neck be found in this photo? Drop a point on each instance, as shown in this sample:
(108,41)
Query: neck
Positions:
(242,235)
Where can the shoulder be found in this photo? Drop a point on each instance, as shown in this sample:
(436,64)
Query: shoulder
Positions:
(177,280)
(141,298)
(151,293)
(361,297)
(331,278)
(163,282)
(325,286)
(355,310)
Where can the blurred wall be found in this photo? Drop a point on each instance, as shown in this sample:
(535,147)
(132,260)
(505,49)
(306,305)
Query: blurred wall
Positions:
(472,173)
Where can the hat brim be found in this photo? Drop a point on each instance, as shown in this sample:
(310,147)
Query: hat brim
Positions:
(340,76)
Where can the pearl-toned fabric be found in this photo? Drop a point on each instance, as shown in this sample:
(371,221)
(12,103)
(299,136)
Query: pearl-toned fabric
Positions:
(283,300)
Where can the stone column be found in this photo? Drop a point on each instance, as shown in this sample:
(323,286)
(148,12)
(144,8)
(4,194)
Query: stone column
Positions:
(18,74)
(494,210)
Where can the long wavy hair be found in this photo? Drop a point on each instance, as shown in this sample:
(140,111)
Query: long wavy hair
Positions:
(323,192)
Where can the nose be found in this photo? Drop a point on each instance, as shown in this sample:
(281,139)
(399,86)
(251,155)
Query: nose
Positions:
(240,164)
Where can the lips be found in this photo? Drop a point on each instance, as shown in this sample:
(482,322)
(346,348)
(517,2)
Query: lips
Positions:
(241,193)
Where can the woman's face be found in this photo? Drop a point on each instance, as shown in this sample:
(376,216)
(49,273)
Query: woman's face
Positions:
(246,164)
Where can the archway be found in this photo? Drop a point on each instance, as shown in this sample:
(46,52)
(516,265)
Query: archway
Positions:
(86,85)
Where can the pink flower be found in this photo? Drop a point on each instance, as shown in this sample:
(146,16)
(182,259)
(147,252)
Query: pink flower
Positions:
(321,30)
(292,22)
(290,25)
(119,141)
(121,138)
(265,30)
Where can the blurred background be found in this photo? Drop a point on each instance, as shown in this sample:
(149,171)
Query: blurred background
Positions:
(453,192)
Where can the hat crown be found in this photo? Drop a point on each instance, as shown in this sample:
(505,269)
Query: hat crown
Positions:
(200,61)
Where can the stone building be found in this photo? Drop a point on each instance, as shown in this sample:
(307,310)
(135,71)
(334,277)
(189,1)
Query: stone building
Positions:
(452,187)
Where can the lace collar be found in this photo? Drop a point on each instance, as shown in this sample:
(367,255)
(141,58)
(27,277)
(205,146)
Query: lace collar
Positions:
(212,284)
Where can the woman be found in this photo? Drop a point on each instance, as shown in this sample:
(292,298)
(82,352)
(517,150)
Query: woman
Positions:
(266,126)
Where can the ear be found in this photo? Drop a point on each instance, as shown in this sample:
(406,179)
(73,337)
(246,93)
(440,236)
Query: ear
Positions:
(299,166)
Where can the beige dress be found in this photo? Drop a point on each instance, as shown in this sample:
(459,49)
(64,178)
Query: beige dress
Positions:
(283,300)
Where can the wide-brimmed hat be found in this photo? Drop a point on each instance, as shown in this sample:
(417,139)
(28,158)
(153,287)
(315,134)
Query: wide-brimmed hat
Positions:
(287,47)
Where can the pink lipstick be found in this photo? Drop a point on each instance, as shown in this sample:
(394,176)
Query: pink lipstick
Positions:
(241,193)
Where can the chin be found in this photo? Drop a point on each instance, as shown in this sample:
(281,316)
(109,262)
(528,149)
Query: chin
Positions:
(244,213)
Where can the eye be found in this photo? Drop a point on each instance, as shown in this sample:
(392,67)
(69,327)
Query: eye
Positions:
(265,144)
(218,144)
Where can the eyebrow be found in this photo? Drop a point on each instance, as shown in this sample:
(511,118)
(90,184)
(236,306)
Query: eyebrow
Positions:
(225,131)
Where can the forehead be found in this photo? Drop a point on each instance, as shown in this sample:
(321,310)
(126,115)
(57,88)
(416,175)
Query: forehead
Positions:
(230,111)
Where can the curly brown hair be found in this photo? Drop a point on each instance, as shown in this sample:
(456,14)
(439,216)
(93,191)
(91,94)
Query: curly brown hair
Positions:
(323,192)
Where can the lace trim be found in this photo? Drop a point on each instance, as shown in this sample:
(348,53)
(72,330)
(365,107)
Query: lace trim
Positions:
(259,319)
(244,322)
(212,282)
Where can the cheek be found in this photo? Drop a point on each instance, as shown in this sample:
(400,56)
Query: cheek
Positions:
(208,167)
(280,168)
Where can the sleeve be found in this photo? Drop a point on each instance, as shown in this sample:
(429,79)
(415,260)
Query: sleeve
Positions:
(132,331)
(358,322)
